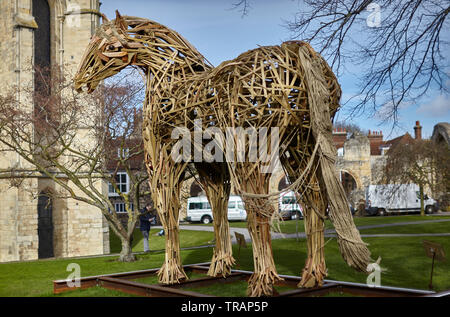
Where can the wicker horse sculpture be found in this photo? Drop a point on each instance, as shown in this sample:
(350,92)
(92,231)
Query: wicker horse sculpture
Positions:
(287,87)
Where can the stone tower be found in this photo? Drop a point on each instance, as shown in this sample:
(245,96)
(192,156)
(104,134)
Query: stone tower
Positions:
(33,225)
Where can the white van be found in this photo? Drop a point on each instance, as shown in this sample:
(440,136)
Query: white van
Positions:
(390,198)
(199,209)
(289,208)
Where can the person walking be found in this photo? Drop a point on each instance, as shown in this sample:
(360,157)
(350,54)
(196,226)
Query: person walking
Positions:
(145,220)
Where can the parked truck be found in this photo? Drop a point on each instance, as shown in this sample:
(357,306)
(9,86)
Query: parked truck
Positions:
(289,207)
(396,198)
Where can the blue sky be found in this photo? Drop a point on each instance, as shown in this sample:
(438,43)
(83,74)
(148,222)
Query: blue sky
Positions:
(221,33)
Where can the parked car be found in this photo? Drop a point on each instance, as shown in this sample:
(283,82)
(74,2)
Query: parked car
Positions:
(199,209)
(350,209)
(289,208)
(371,211)
(385,199)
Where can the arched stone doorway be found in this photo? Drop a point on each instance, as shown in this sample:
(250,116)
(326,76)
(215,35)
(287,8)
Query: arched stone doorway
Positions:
(45,226)
(283,183)
(348,182)
(196,190)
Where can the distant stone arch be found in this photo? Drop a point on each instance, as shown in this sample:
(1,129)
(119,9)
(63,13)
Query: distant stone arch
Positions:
(441,133)
(283,183)
(195,190)
(350,181)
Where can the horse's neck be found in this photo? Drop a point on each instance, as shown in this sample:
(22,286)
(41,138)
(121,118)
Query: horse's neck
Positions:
(170,76)
(163,82)
(171,63)
(168,62)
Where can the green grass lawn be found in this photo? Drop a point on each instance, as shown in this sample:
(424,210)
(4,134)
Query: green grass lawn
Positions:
(363,221)
(35,278)
(96,291)
(187,239)
(404,259)
(293,226)
(437,227)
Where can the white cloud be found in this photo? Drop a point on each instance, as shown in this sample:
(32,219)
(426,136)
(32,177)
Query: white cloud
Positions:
(438,107)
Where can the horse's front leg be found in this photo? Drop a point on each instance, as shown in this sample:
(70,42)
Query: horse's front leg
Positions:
(166,179)
(215,180)
(315,269)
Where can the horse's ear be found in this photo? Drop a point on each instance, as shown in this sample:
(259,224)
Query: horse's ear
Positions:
(120,22)
(104,18)
(118,16)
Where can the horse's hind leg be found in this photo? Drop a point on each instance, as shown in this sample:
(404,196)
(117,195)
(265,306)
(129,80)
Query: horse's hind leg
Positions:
(315,270)
(315,204)
(259,214)
(215,180)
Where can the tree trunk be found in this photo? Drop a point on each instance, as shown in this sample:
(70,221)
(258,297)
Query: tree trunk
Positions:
(126,254)
(422,207)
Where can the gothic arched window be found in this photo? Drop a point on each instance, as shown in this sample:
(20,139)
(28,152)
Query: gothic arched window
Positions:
(42,47)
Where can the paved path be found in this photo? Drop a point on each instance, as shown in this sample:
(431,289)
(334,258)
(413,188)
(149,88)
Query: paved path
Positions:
(401,224)
(329,232)
(276,235)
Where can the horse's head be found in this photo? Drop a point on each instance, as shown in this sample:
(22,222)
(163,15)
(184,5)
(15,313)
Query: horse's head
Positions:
(135,41)
(110,50)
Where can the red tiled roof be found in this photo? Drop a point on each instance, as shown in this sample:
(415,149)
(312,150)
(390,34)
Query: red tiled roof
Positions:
(403,139)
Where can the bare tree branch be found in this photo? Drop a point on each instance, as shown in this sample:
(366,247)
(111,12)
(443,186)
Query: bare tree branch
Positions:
(399,60)
(81,139)
(243,6)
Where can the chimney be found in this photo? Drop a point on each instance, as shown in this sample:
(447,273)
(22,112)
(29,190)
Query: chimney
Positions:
(418,131)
